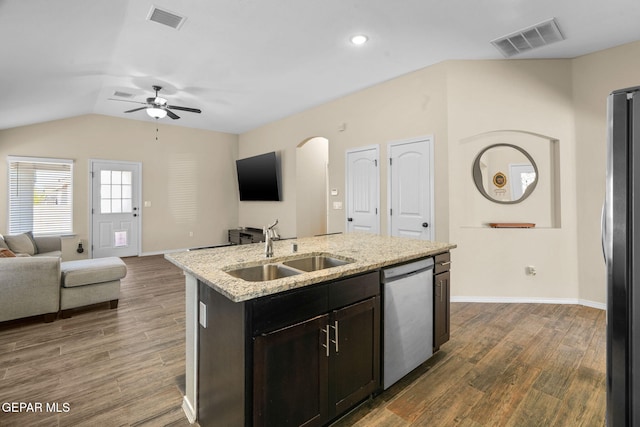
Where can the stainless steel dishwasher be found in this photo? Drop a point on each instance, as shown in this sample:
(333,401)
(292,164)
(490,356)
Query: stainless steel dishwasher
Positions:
(408,318)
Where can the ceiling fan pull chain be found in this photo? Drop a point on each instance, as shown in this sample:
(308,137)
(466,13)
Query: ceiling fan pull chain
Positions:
(156,129)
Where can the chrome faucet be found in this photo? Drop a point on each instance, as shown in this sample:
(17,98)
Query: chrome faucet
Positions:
(269,235)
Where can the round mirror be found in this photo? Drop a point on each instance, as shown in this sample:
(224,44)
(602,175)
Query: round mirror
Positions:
(505,173)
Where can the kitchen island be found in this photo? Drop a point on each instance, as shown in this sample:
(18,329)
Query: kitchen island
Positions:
(237,330)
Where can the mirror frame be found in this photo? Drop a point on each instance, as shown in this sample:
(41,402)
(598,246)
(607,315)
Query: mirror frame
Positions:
(477,175)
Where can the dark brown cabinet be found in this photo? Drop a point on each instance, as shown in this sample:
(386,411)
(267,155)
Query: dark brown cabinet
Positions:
(311,372)
(299,358)
(441,300)
(290,380)
(354,366)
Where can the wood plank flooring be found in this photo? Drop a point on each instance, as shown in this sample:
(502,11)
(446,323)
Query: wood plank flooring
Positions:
(506,365)
(122,367)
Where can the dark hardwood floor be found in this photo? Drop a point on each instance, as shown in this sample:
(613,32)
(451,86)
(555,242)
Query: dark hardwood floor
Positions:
(506,365)
(514,365)
(112,367)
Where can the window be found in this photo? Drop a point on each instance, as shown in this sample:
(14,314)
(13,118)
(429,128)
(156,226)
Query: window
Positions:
(40,195)
(116,191)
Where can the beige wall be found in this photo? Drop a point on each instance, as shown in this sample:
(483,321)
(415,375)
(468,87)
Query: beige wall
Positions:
(594,77)
(203,159)
(409,106)
(562,100)
(528,96)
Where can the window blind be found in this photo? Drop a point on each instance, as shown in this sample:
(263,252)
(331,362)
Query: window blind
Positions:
(40,195)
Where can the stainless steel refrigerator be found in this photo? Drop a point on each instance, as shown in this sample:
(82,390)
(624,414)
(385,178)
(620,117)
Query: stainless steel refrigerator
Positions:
(621,245)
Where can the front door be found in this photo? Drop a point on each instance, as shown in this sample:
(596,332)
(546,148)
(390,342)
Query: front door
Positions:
(115,212)
(411,188)
(362,194)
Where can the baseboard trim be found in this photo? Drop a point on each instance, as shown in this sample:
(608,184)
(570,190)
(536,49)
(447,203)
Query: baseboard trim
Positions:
(530,300)
(170,251)
(188,410)
(163,252)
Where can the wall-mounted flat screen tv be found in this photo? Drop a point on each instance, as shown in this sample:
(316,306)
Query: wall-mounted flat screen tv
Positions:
(259,177)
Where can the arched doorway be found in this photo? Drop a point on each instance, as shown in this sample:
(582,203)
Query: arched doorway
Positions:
(312,159)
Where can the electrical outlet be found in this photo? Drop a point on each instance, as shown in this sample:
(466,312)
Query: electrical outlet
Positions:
(531,270)
(191,234)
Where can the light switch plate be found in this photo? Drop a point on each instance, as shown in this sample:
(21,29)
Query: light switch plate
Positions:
(203,314)
(337,205)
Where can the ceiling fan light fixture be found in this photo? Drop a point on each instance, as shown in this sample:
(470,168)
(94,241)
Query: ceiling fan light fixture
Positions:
(156,113)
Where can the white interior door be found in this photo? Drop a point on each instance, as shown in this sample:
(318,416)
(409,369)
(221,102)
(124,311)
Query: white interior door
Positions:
(115,209)
(362,190)
(411,188)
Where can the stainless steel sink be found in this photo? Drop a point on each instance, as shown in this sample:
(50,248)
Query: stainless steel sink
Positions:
(316,262)
(262,273)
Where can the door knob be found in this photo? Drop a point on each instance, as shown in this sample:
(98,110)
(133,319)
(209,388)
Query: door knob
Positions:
(350,219)
(425,224)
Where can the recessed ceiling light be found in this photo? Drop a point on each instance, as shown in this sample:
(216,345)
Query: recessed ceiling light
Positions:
(359,39)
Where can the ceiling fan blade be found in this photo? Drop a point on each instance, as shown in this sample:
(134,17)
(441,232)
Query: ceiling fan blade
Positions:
(171,114)
(125,100)
(135,109)
(191,110)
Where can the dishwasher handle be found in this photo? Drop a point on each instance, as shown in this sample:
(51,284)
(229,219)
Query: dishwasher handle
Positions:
(403,270)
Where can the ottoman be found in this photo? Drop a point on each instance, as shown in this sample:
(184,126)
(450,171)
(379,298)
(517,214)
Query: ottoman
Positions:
(90,281)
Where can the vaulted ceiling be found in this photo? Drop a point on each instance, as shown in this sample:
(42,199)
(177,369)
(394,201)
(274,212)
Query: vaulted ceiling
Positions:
(245,63)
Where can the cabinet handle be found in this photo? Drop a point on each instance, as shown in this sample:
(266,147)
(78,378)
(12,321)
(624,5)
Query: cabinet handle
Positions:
(326,339)
(335,327)
(445,263)
(441,290)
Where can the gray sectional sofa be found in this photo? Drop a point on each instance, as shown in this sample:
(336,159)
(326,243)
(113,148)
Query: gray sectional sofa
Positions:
(38,283)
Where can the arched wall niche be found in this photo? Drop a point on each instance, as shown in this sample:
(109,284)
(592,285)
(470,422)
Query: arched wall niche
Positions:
(542,207)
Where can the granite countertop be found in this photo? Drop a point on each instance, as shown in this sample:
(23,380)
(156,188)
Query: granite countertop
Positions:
(368,252)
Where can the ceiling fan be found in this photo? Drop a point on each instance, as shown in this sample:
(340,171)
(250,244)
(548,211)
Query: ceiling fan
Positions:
(158,108)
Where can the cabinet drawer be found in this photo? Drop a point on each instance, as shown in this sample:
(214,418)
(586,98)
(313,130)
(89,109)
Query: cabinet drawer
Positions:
(353,289)
(442,262)
(277,311)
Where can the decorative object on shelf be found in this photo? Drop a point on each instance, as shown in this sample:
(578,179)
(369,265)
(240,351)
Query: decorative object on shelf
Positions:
(511,187)
(512,225)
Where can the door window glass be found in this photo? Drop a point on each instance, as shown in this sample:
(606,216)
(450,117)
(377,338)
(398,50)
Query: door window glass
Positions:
(115,191)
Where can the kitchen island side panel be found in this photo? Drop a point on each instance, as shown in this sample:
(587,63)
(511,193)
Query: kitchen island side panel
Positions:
(221,361)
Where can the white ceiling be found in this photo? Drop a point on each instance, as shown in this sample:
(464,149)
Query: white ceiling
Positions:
(245,63)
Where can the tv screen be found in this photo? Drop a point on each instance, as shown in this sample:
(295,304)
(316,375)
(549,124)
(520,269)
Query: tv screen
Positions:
(258,178)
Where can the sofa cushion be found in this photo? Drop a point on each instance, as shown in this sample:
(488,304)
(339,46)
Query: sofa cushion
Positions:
(49,254)
(89,271)
(22,243)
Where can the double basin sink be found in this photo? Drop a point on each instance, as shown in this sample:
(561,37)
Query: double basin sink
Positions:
(271,270)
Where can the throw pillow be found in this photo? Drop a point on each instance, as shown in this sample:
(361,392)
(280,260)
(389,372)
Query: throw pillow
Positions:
(3,244)
(6,253)
(22,243)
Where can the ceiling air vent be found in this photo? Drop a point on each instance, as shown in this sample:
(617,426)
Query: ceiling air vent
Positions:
(539,35)
(122,94)
(165,17)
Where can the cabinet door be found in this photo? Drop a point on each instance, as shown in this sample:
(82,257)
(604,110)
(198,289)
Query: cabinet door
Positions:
(291,375)
(355,354)
(441,319)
